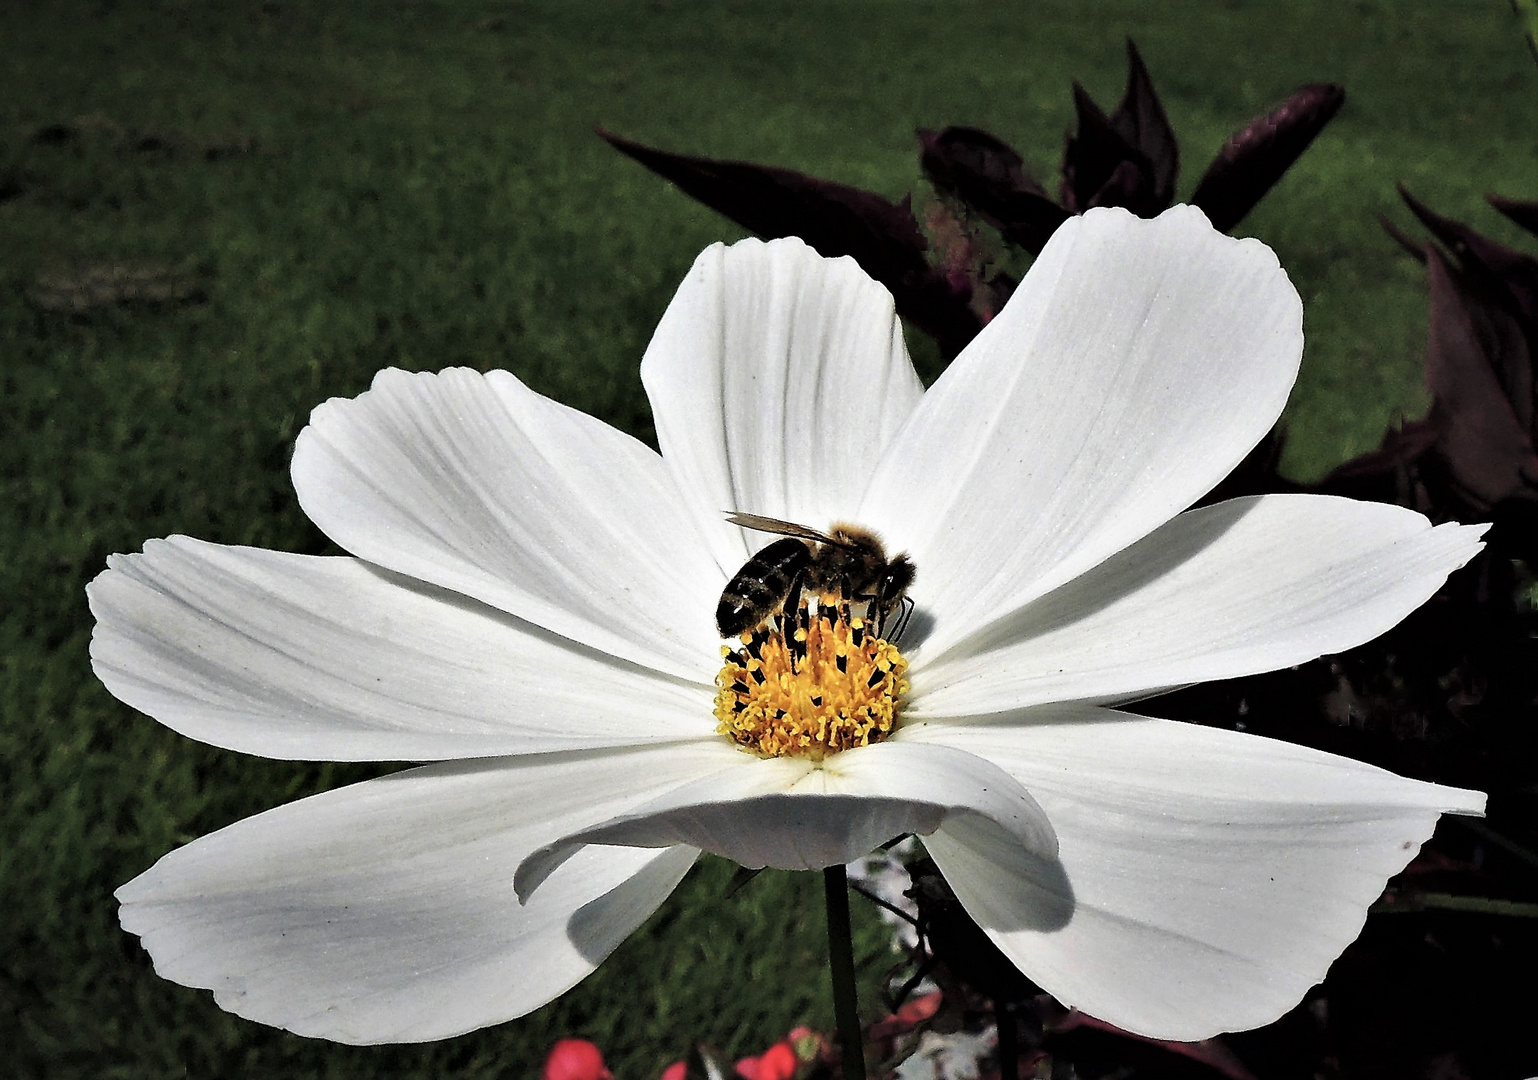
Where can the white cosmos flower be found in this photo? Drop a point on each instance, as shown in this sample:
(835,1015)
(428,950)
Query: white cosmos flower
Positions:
(531,609)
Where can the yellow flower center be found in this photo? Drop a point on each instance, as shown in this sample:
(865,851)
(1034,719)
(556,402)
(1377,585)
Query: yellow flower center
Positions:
(810,686)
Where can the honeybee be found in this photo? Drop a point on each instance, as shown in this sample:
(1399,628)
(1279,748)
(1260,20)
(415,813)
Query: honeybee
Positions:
(848,562)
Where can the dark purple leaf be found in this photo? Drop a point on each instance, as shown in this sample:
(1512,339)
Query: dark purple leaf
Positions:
(987,175)
(1126,186)
(1412,247)
(954,938)
(1524,214)
(1101,168)
(1384,474)
(1401,446)
(1502,286)
(1140,120)
(1255,157)
(836,219)
(1486,443)
(1210,1052)
(1501,272)
(962,159)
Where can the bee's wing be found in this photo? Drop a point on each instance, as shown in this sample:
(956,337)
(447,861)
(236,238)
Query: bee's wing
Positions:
(759,523)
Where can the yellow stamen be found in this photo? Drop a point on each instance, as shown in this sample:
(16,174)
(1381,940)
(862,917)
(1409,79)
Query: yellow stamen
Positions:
(832,686)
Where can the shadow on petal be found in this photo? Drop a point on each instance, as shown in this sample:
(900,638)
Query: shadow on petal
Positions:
(786,832)
(1129,570)
(1004,886)
(597,927)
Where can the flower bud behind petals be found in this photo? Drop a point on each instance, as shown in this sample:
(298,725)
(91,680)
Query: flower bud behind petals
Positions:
(912,1013)
(779,1062)
(575,1059)
(919,1009)
(808,1044)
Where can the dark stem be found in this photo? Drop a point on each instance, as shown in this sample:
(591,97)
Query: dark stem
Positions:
(841,963)
(1009,1041)
(893,908)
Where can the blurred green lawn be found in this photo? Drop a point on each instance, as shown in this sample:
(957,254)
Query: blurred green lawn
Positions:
(425,191)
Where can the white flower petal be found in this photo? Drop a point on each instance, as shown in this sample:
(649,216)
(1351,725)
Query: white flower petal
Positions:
(1241,587)
(1211,876)
(1136,365)
(292,656)
(792,814)
(385,912)
(478,484)
(775,377)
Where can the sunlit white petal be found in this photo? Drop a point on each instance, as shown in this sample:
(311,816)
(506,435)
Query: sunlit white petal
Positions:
(791,814)
(533,584)
(478,484)
(1242,587)
(775,378)
(385,912)
(1136,365)
(1211,876)
(291,656)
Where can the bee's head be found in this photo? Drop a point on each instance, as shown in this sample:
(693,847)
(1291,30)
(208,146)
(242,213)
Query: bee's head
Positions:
(895,580)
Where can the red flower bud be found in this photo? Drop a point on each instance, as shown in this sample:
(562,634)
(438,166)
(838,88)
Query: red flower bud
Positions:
(575,1059)
(776,1063)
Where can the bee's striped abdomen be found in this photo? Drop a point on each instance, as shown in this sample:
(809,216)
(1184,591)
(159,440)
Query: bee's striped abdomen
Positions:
(761,586)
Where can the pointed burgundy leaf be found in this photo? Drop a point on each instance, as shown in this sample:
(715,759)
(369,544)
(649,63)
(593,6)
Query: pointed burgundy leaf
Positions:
(1213,1053)
(1140,120)
(1500,290)
(1475,252)
(1126,186)
(836,219)
(959,159)
(1412,246)
(1486,443)
(1094,156)
(986,174)
(1255,157)
(1401,446)
(1384,474)
(1523,213)
(1495,268)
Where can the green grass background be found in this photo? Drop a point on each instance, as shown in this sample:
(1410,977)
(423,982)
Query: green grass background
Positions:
(427,192)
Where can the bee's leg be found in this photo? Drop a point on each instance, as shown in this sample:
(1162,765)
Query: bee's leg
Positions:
(793,602)
(881,611)
(790,619)
(906,604)
(875,613)
(868,599)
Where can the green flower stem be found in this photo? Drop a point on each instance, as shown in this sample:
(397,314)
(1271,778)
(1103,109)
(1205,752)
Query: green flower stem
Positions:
(841,964)
(1409,902)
